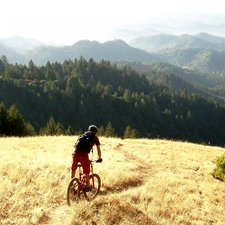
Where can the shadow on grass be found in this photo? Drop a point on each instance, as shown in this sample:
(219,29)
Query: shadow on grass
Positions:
(120,186)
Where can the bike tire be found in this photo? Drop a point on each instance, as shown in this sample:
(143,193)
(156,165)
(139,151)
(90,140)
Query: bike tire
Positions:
(95,181)
(73,191)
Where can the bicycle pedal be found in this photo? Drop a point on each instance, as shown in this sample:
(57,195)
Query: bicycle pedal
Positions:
(88,188)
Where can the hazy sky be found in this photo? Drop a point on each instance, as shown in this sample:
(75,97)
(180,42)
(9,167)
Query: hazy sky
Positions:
(67,21)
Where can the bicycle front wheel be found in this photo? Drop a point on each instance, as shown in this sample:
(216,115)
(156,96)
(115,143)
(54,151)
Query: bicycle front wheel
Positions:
(95,181)
(73,191)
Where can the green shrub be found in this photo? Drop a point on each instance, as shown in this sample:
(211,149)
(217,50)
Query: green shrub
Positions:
(219,171)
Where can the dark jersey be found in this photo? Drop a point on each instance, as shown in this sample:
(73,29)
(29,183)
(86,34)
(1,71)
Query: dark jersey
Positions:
(83,151)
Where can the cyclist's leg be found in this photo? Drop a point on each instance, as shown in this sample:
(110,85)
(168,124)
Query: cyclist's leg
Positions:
(87,178)
(73,173)
(74,165)
(85,162)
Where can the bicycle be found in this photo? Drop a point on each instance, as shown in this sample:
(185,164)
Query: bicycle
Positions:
(76,186)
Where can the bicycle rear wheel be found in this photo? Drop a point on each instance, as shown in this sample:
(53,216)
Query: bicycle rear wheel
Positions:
(73,191)
(95,181)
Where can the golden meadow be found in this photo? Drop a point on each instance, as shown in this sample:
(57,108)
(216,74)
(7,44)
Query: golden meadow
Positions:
(144,182)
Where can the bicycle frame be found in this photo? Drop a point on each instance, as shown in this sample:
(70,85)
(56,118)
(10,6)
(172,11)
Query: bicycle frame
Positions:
(82,177)
(92,178)
(76,185)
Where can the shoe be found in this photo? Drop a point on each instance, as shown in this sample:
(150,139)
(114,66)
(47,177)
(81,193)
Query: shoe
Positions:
(87,188)
(73,191)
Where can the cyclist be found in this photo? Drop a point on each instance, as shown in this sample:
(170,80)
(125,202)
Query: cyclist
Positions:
(81,155)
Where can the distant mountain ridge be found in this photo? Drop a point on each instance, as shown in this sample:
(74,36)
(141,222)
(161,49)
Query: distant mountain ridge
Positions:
(214,27)
(201,52)
(111,50)
(20,44)
(158,42)
(210,38)
(12,55)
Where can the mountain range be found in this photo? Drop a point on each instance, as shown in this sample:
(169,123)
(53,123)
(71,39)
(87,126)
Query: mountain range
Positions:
(189,57)
(201,52)
(155,43)
(146,30)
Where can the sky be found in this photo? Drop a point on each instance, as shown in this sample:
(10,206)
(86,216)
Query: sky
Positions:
(67,21)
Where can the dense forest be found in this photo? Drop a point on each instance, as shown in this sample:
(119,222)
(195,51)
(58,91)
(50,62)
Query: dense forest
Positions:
(73,94)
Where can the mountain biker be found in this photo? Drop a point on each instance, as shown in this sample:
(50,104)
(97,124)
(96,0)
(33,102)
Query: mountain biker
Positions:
(81,155)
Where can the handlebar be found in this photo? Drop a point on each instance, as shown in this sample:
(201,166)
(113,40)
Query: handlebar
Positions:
(96,161)
(91,161)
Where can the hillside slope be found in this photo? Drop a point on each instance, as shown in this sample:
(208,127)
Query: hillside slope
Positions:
(201,52)
(155,43)
(11,54)
(111,50)
(143,182)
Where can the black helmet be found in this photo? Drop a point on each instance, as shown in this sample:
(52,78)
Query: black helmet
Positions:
(93,128)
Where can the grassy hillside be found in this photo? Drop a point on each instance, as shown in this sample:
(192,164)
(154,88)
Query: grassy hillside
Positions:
(143,182)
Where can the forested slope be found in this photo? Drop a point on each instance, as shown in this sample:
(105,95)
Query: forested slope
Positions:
(80,92)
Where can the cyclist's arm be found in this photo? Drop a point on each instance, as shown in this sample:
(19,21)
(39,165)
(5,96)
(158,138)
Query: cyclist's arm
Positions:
(99,151)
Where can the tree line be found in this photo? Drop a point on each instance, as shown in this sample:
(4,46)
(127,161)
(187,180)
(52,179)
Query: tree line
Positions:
(12,123)
(76,93)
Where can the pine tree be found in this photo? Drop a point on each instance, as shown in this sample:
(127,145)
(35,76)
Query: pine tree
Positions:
(70,131)
(101,131)
(30,129)
(51,127)
(109,131)
(17,123)
(60,129)
(130,133)
(2,67)
(4,120)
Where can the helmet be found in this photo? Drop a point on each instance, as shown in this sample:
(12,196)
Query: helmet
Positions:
(93,128)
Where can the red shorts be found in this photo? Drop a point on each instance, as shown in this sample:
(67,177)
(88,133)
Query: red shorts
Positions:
(84,160)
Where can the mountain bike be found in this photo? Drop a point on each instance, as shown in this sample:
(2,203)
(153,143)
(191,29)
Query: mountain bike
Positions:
(76,186)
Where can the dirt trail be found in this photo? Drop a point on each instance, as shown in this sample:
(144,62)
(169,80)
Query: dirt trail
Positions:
(58,215)
(142,163)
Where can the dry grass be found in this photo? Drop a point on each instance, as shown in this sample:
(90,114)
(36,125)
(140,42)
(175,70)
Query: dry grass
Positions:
(143,182)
